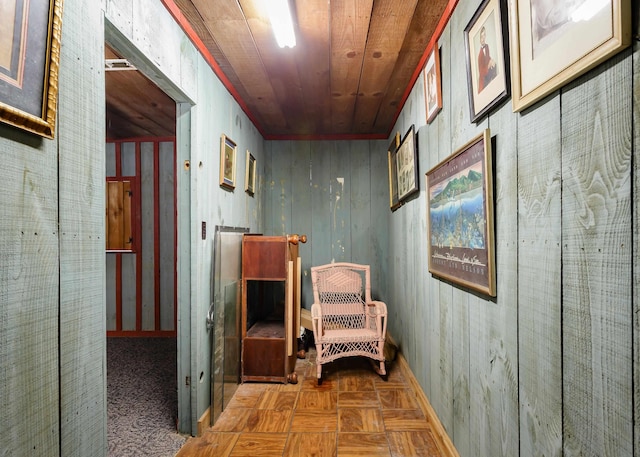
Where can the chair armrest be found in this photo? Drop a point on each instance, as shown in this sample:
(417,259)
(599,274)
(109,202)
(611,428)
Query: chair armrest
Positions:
(380,308)
(316,320)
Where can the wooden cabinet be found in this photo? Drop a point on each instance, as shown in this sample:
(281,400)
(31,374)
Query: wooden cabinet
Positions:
(270,307)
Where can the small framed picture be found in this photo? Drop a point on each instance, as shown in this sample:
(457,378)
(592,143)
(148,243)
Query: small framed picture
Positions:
(227,163)
(433,84)
(406,161)
(250,174)
(487,58)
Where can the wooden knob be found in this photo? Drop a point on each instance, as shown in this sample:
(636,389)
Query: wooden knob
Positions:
(294,239)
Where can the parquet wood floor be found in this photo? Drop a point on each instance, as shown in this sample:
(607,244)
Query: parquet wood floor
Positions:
(353,413)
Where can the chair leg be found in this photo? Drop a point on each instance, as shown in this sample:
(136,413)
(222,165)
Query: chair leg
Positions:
(319,374)
(379,368)
(383,371)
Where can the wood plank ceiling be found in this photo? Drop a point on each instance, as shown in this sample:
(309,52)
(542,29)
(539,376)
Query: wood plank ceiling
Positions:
(347,76)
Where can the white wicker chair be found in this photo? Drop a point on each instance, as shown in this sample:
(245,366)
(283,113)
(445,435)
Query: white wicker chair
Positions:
(346,321)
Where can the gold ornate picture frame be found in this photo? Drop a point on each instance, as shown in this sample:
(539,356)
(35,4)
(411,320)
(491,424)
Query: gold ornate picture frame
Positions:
(29,63)
(227,163)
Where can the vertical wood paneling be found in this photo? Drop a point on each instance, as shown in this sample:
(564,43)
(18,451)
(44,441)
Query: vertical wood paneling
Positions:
(281,195)
(166,235)
(340,190)
(443,299)
(636,239)
(147,240)
(302,213)
(29,308)
(321,202)
(358,234)
(423,311)
(539,279)
(143,283)
(379,251)
(596,273)
(81,133)
(129,293)
(499,362)
(183,263)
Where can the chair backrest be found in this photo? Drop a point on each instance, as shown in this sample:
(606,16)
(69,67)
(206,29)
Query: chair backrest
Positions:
(341,282)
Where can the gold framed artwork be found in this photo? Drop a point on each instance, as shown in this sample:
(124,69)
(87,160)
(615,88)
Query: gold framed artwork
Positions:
(433,84)
(227,163)
(460,221)
(250,174)
(552,43)
(487,58)
(29,62)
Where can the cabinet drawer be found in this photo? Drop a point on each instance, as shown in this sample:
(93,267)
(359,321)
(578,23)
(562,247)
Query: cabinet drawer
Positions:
(263,359)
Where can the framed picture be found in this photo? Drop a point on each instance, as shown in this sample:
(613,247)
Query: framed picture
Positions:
(250,174)
(433,84)
(394,203)
(487,58)
(227,163)
(552,43)
(460,217)
(29,61)
(406,166)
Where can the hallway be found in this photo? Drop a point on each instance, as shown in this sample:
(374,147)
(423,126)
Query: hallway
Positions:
(354,412)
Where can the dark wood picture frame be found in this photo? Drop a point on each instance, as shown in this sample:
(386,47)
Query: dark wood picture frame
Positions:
(460,217)
(487,53)
(433,84)
(29,70)
(406,166)
(250,174)
(394,203)
(228,150)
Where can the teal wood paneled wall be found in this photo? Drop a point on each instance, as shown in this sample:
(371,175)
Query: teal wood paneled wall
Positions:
(547,367)
(335,192)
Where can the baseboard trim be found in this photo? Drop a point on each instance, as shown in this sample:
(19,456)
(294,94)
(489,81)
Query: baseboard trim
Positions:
(205,421)
(445,445)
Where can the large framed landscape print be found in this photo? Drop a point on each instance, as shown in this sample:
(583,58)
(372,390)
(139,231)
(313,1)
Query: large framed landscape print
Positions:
(29,61)
(460,217)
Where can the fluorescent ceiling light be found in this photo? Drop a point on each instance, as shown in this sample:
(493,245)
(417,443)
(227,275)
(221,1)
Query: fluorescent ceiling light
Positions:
(281,23)
(118,65)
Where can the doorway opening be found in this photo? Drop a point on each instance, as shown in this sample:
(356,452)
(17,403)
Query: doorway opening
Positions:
(141,262)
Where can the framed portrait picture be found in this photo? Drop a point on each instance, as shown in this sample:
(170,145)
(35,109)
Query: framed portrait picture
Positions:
(29,62)
(394,203)
(552,43)
(227,163)
(406,166)
(460,221)
(433,84)
(250,174)
(487,58)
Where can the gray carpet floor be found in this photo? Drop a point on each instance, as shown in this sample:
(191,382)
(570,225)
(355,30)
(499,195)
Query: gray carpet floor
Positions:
(142,403)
